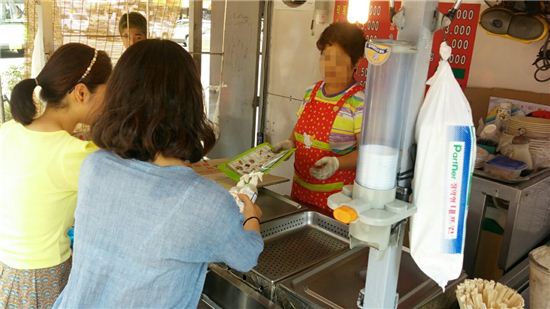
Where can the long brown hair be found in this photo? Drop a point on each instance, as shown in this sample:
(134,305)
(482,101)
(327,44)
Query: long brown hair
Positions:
(154,104)
(62,72)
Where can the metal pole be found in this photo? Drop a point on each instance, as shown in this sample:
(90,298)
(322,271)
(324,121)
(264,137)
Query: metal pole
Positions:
(195,32)
(148,17)
(267,14)
(384,265)
(222,63)
(2,111)
(421,17)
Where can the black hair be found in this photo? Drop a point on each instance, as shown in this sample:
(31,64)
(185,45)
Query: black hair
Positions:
(154,104)
(349,36)
(132,20)
(62,72)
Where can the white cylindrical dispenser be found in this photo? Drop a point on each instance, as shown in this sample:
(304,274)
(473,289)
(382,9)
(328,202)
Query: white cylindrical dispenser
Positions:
(387,87)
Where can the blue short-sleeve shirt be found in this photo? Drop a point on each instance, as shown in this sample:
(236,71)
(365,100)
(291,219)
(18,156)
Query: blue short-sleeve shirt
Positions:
(144,235)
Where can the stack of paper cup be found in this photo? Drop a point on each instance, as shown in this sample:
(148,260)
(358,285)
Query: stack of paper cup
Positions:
(483,294)
(379,164)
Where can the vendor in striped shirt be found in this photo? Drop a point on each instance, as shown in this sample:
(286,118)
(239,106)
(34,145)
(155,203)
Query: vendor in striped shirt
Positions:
(329,122)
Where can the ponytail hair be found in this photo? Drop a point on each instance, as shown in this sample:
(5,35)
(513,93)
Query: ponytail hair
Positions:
(22,105)
(69,65)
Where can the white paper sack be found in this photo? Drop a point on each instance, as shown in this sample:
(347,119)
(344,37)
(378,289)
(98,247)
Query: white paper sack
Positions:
(444,165)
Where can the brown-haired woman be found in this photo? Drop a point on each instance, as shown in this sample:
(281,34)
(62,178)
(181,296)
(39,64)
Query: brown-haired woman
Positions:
(329,121)
(39,170)
(146,225)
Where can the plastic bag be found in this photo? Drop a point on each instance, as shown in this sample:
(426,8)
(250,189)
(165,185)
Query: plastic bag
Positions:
(445,160)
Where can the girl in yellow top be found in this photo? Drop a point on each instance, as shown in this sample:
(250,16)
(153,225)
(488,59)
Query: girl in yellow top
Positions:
(39,167)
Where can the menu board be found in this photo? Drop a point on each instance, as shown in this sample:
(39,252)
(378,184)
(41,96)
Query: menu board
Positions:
(460,35)
(258,159)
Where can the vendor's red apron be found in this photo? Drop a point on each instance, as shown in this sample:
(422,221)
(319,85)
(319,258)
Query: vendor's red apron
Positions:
(312,143)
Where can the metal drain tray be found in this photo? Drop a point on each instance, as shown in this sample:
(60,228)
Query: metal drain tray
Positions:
(293,244)
(336,283)
(274,205)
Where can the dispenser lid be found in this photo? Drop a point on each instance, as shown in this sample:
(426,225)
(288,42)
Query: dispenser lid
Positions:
(378,52)
(397,46)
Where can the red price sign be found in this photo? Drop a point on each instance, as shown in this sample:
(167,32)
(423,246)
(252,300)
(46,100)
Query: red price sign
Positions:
(460,35)
(377,27)
(340,10)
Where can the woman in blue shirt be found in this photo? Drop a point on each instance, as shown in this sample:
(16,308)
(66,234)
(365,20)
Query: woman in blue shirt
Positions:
(146,226)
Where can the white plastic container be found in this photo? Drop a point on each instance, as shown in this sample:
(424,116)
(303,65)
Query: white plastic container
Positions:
(388,79)
(381,163)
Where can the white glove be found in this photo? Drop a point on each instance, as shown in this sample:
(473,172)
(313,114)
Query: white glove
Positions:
(324,168)
(248,185)
(283,145)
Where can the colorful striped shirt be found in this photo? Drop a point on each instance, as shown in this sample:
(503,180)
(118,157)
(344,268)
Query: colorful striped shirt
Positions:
(348,122)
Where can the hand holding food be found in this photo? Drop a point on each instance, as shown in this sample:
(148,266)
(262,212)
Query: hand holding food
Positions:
(250,209)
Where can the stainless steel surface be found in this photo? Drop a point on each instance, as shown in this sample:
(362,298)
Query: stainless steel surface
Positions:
(517,278)
(457,4)
(224,290)
(206,303)
(525,295)
(267,15)
(275,205)
(294,243)
(336,284)
(527,222)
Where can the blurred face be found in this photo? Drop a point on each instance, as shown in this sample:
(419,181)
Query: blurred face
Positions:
(336,67)
(131,36)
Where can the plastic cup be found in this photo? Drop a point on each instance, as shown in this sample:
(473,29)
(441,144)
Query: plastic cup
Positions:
(380,165)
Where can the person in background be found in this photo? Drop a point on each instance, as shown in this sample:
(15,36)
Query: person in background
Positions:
(329,122)
(146,224)
(39,169)
(132,28)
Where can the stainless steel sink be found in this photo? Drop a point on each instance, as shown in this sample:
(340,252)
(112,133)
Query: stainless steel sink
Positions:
(275,205)
(336,284)
(206,303)
(224,290)
(292,244)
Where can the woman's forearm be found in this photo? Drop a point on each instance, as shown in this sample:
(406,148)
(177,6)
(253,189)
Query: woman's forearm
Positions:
(348,161)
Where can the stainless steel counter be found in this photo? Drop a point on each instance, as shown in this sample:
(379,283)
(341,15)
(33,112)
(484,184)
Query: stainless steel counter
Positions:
(527,221)
(222,289)
(307,263)
(336,284)
(292,244)
(274,205)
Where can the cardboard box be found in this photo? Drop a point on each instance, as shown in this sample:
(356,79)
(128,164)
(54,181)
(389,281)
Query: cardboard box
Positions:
(479,98)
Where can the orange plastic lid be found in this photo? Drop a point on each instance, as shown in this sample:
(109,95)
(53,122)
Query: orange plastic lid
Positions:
(345,214)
